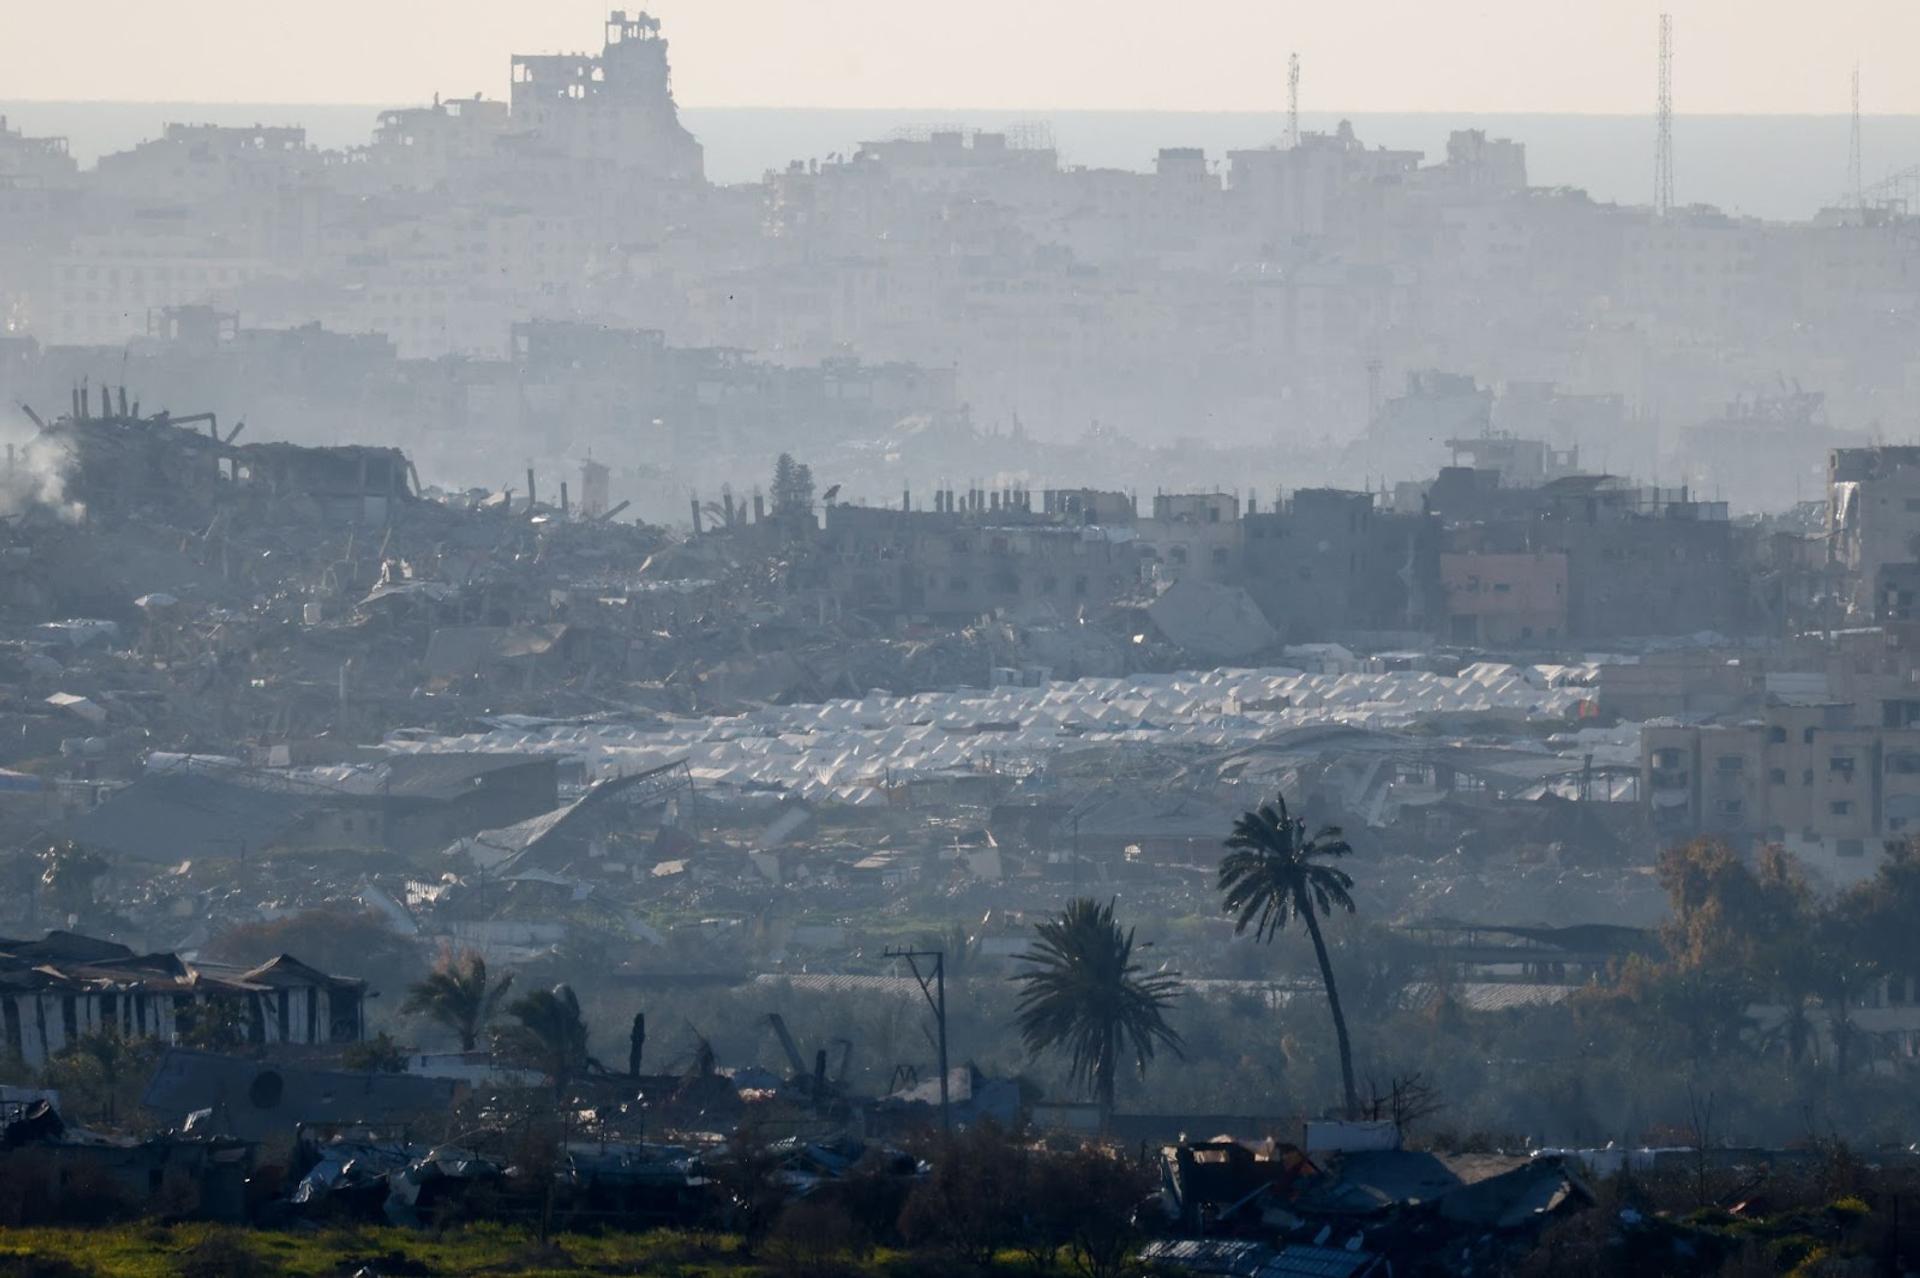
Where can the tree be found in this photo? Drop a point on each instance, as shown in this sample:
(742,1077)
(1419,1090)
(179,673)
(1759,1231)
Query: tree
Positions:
(1743,934)
(744,1170)
(1730,917)
(377,1055)
(974,1200)
(1274,874)
(1843,971)
(337,939)
(217,1023)
(100,1075)
(1096,1194)
(1409,1098)
(1084,993)
(458,995)
(1884,908)
(792,489)
(550,1035)
(815,1237)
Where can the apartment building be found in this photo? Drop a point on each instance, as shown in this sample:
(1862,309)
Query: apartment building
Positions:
(1805,777)
(1873,523)
(1501,599)
(106,287)
(951,564)
(1194,535)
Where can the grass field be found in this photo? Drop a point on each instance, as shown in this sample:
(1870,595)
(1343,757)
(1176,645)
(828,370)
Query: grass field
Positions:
(200,1251)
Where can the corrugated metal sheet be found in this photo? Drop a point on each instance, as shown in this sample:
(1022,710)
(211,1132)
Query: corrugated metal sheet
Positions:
(1305,1261)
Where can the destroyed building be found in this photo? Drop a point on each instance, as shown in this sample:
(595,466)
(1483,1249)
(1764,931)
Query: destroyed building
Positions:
(75,1173)
(116,461)
(57,989)
(616,109)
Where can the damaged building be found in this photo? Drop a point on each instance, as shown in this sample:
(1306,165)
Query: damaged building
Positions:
(55,990)
(113,461)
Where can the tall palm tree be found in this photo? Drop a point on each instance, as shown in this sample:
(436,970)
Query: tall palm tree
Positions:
(1275,873)
(459,995)
(1085,994)
(550,1035)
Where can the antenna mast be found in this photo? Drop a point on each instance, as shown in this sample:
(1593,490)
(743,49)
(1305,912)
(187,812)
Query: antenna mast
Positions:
(1663,147)
(1293,100)
(1855,191)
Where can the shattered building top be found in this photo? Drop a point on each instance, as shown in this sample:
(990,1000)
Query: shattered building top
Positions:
(119,460)
(616,108)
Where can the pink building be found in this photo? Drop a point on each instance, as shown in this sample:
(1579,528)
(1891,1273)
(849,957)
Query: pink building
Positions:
(1494,598)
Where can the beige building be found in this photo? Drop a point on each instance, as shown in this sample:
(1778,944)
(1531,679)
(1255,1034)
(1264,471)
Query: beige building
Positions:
(1194,535)
(1804,777)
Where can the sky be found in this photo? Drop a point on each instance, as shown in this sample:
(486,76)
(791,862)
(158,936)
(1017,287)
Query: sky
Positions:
(1590,57)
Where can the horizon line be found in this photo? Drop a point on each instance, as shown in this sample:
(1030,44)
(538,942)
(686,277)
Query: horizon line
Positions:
(1278,111)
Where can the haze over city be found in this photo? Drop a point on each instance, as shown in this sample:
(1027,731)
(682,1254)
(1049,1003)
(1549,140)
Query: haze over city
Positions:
(870,640)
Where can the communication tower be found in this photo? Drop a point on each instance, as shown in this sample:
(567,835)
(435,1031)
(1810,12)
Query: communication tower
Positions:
(1663,146)
(1293,100)
(1855,189)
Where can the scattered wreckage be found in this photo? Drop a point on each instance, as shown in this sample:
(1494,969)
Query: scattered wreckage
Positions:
(1363,1207)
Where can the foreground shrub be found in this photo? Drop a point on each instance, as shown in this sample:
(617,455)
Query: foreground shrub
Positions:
(815,1239)
(224,1253)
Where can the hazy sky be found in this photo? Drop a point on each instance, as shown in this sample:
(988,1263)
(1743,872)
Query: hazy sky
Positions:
(1755,56)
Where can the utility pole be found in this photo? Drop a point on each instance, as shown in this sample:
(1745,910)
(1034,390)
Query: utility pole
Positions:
(1293,100)
(933,987)
(1663,145)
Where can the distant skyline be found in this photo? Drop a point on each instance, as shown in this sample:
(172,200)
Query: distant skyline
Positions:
(1731,57)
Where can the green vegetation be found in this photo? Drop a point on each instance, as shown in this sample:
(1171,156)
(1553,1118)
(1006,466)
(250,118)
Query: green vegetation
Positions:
(100,1075)
(186,1251)
(805,1244)
(337,939)
(459,996)
(549,1035)
(1084,994)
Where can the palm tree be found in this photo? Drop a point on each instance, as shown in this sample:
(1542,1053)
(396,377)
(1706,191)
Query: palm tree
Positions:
(1275,874)
(459,995)
(551,1034)
(1084,993)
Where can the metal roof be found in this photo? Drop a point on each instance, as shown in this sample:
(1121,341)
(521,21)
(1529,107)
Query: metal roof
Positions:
(67,961)
(1318,1262)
